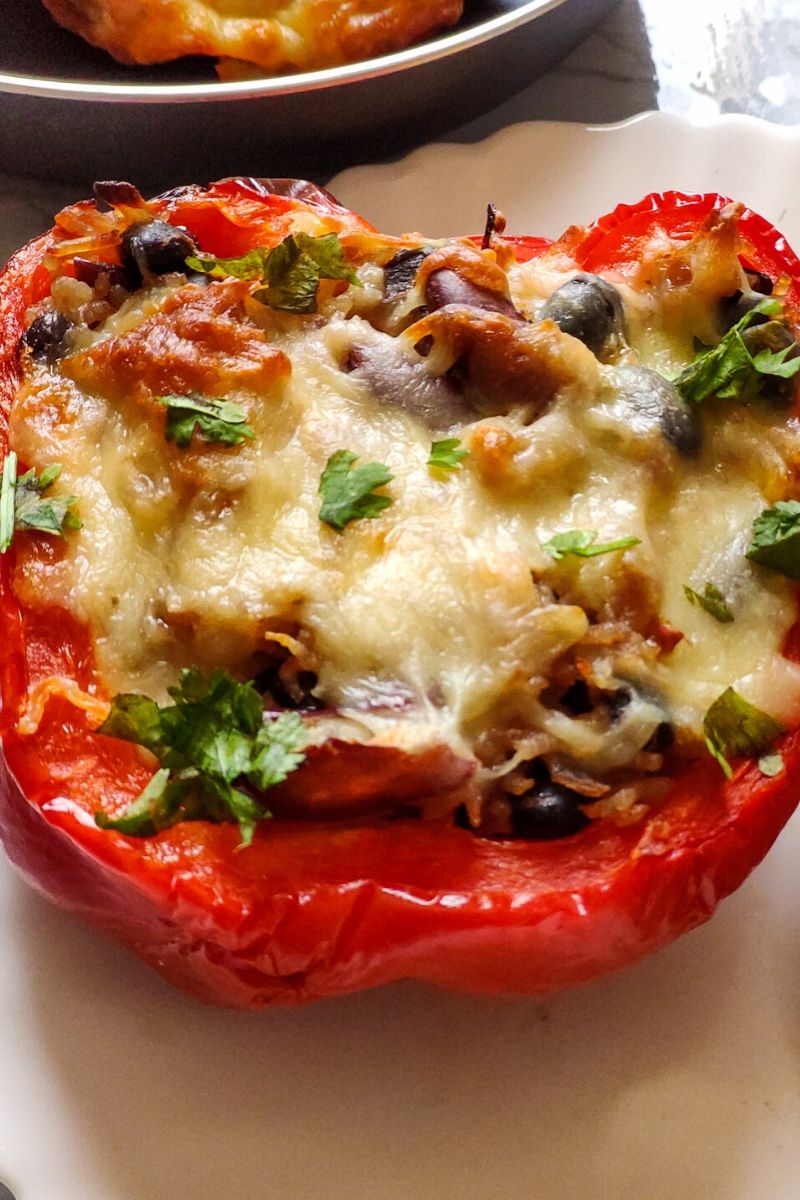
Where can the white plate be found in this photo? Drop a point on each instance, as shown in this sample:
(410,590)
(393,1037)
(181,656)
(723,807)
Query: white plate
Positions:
(545,176)
(678,1079)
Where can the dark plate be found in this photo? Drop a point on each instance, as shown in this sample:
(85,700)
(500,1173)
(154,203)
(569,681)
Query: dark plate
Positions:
(69,111)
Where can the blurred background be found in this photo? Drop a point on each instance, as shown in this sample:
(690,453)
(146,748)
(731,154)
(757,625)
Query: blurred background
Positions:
(694,57)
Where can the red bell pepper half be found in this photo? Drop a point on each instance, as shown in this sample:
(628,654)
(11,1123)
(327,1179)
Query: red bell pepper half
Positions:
(313,909)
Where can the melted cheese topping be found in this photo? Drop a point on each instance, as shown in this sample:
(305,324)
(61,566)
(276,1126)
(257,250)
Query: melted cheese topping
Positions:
(273,34)
(444,616)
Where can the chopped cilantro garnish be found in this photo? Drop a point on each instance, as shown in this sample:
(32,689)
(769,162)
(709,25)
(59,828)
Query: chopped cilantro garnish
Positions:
(24,506)
(348,492)
(733,727)
(712,600)
(212,742)
(582,543)
(291,270)
(776,539)
(770,765)
(730,370)
(252,265)
(447,454)
(151,811)
(214,420)
(7,489)
(51,514)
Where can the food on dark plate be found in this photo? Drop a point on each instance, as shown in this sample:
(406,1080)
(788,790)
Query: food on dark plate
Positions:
(263,36)
(388,606)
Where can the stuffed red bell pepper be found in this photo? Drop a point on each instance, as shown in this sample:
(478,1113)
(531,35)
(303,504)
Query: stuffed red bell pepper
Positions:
(381,607)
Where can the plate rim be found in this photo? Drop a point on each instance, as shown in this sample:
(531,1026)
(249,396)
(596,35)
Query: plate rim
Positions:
(697,129)
(696,122)
(708,123)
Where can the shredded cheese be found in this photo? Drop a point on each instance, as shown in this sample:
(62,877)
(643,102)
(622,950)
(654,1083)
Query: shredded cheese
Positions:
(444,615)
(55,685)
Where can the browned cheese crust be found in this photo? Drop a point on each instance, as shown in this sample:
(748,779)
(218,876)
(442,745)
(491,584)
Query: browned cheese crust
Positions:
(274,35)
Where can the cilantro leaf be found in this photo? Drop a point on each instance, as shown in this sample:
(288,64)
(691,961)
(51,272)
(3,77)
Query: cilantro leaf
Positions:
(244,808)
(7,490)
(134,718)
(447,454)
(291,270)
(51,514)
(295,268)
(23,505)
(213,745)
(777,362)
(582,544)
(147,815)
(734,727)
(348,492)
(770,765)
(252,265)
(730,370)
(776,539)
(278,750)
(214,420)
(712,600)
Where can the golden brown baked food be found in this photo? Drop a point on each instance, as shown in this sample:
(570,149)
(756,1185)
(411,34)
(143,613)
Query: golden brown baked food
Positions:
(274,35)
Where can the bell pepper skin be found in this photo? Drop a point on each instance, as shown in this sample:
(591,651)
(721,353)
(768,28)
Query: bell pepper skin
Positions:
(313,910)
(613,240)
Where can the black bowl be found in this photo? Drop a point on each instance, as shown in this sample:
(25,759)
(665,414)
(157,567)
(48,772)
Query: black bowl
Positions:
(68,111)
